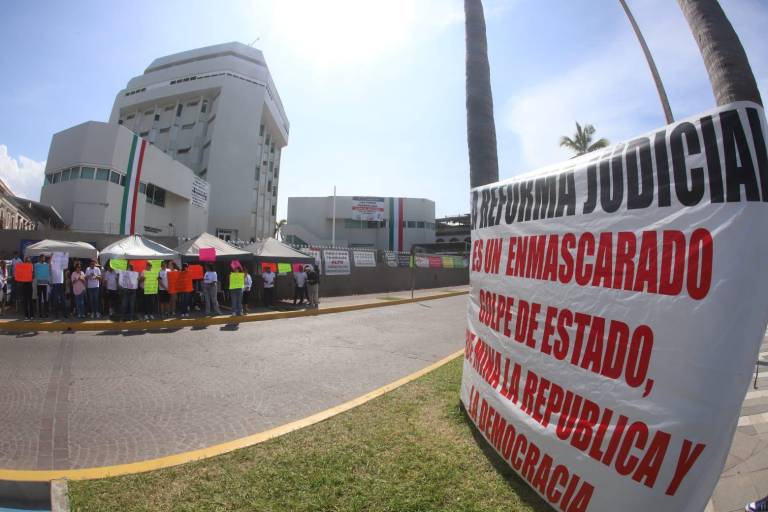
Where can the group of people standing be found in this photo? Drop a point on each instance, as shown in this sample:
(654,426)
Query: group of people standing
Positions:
(87,290)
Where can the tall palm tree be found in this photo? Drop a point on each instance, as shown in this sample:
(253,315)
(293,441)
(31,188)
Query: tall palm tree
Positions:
(481,128)
(582,143)
(724,56)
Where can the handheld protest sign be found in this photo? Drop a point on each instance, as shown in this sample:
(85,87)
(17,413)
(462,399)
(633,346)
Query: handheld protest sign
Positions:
(283,268)
(173,281)
(151,282)
(266,266)
(139,265)
(118,264)
(196,272)
(609,347)
(236,281)
(185,281)
(207,254)
(22,272)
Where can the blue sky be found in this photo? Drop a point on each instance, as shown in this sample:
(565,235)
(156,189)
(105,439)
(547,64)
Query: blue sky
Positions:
(374,90)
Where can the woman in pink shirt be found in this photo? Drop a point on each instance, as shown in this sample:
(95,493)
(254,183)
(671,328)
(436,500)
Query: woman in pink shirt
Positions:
(78,290)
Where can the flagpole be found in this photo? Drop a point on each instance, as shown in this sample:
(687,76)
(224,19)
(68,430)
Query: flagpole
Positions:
(333,220)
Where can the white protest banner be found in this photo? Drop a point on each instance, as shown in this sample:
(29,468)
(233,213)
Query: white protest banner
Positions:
(364,258)
(368,208)
(618,301)
(422,261)
(336,262)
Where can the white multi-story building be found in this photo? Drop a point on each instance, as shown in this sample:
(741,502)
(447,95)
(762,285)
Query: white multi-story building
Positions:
(103,178)
(215,110)
(384,223)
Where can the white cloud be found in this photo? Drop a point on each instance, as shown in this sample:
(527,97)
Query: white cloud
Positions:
(24,176)
(613,89)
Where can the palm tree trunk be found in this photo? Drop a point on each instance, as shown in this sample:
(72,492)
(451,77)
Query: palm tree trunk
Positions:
(651,64)
(724,56)
(481,128)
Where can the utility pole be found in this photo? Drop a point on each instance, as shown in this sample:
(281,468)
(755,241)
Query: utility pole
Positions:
(333,219)
(651,64)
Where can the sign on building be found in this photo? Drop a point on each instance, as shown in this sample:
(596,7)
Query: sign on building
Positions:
(336,262)
(364,258)
(618,303)
(200,192)
(368,208)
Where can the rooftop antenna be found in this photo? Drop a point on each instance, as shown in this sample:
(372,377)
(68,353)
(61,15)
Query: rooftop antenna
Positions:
(255,41)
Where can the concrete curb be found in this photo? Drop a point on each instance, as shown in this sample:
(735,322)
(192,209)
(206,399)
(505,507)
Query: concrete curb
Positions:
(22,326)
(59,495)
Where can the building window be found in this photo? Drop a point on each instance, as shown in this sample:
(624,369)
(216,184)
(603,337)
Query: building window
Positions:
(144,134)
(130,117)
(165,130)
(120,121)
(86,173)
(169,108)
(183,151)
(274,192)
(261,131)
(179,109)
(159,197)
(123,179)
(143,189)
(274,209)
(47,181)
(187,126)
(269,186)
(56,177)
(204,108)
(277,172)
(372,224)
(352,224)
(65,175)
(148,112)
(411,224)
(193,103)
(420,224)
(258,174)
(272,148)
(102,174)
(157,117)
(114,177)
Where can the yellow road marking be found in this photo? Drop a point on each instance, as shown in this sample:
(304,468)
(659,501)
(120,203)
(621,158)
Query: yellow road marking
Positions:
(219,449)
(21,326)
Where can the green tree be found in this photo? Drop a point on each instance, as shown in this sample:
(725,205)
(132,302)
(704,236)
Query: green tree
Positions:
(481,127)
(278,234)
(581,142)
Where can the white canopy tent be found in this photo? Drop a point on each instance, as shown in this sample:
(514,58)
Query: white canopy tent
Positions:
(190,250)
(136,247)
(75,249)
(272,250)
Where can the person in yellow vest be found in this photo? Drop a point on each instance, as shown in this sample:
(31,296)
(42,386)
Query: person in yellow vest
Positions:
(236,285)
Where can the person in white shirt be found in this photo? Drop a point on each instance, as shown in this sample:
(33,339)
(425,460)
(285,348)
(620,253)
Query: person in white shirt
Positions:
(58,300)
(210,291)
(300,291)
(268,277)
(129,283)
(247,289)
(162,290)
(110,283)
(93,282)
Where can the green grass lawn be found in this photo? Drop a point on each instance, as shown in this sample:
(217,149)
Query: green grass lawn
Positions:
(412,449)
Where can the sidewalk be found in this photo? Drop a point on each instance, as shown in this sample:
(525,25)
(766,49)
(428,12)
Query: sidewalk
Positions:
(745,476)
(283,309)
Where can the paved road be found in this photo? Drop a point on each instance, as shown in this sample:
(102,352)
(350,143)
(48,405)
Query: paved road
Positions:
(94,399)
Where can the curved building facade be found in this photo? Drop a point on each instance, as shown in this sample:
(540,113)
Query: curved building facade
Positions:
(216,110)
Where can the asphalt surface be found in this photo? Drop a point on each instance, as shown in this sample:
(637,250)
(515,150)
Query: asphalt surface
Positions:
(94,399)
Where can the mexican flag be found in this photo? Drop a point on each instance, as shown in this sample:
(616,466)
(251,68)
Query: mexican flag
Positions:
(131,192)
